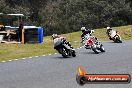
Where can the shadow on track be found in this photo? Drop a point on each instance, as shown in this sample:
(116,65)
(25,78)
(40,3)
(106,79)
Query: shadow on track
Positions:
(62,58)
(92,53)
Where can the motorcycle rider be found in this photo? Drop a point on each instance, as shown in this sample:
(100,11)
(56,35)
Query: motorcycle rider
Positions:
(61,38)
(86,31)
(110,32)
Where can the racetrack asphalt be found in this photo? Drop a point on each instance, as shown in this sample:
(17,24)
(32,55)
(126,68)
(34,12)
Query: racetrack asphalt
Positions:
(56,72)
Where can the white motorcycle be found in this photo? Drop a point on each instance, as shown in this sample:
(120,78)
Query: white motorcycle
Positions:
(114,35)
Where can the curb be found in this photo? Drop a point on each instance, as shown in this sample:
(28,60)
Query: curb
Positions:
(35,56)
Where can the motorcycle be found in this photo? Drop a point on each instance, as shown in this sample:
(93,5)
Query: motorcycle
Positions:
(92,43)
(64,49)
(114,35)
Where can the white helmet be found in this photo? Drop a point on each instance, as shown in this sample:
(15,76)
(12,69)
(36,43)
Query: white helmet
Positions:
(108,28)
(83,29)
(54,36)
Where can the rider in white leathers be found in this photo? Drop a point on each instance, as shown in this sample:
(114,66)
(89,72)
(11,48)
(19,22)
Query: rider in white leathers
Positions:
(110,32)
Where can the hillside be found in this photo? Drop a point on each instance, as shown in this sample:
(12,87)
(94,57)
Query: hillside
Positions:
(65,16)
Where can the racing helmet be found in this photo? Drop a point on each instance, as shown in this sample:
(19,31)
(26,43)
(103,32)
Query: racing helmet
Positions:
(54,36)
(108,28)
(83,29)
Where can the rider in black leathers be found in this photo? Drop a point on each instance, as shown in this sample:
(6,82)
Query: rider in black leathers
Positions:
(86,31)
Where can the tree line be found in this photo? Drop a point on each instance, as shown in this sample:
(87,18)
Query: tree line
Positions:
(63,16)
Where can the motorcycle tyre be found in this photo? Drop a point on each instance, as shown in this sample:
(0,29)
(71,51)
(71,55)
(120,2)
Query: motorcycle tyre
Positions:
(95,49)
(63,52)
(73,53)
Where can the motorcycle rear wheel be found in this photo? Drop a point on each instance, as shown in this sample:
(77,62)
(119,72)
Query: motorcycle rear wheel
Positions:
(95,49)
(102,48)
(73,53)
(118,40)
(63,52)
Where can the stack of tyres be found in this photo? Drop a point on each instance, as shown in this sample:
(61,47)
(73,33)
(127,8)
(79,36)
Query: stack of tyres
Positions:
(33,35)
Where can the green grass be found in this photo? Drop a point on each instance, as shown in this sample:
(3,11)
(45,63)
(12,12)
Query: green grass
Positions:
(18,51)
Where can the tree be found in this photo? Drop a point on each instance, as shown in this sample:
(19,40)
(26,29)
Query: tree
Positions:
(62,16)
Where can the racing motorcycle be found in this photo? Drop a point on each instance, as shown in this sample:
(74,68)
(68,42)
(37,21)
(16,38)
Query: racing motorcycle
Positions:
(90,42)
(64,49)
(114,35)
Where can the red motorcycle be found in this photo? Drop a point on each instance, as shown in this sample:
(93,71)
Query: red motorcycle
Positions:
(92,43)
